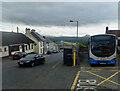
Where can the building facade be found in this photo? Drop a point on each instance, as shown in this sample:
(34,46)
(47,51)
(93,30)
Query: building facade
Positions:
(15,42)
(40,42)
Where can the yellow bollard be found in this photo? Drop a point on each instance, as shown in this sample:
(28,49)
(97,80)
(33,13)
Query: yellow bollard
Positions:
(74,59)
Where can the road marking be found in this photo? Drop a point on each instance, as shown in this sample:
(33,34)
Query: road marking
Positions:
(108,78)
(75,81)
(103,78)
(99,70)
(54,66)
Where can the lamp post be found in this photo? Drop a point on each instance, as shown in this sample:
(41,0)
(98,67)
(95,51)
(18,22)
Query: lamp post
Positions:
(77,27)
(77,41)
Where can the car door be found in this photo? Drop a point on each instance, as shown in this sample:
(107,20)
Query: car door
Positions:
(39,59)
(36,59)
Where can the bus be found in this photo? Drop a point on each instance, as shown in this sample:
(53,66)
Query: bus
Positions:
(102,49)
(118,45)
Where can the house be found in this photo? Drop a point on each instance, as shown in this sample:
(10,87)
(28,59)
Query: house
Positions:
(115,32)
(15,42)
(40,42)
(51,46)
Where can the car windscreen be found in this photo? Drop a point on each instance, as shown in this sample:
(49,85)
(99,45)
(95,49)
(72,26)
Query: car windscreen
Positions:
(30,56)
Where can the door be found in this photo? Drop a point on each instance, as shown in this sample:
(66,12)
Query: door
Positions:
(23,49)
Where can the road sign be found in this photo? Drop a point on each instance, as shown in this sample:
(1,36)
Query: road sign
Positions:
(62,43)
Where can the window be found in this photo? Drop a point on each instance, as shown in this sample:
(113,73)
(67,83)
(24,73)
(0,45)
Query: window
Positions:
(14,48)
(41,51)
(5,49)
(26,47)
(0,50)
(31,46)
(41,44)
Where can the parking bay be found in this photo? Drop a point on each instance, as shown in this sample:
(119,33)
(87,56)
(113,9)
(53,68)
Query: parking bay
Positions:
(98,78)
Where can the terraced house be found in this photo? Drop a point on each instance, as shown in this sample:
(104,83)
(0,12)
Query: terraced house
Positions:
(40,42)
(15,42)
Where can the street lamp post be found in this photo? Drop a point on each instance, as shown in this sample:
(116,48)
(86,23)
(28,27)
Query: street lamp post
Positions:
(76,37)
(77,27)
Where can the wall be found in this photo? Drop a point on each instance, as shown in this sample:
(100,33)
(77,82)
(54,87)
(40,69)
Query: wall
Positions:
(29,50)
(52,47)
(41,47)
(4,53)
(38,47)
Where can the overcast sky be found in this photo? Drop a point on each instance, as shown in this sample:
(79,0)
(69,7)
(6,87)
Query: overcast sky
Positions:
(52,19)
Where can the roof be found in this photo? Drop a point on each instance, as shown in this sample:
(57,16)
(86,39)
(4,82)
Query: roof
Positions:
(115,32)
(103,35)
(48,40)
(38,36)
(11,38)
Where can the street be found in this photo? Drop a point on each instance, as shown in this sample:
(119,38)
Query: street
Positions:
(54,75)
(51,75)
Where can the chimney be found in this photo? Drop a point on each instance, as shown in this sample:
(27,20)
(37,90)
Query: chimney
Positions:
(17,30)
(107,29)
(27,30)
(44,37)
(33,30)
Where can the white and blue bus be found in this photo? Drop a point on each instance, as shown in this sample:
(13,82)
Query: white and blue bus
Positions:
(118,45)
(102,49)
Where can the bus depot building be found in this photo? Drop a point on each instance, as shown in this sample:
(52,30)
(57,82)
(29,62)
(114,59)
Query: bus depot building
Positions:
(15,42)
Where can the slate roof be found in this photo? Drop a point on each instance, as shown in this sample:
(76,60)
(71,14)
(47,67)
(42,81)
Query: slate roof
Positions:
(11,38)
(38,36)
(115,32)
(48,40)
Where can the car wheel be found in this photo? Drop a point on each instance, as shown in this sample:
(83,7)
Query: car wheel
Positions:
(32,64)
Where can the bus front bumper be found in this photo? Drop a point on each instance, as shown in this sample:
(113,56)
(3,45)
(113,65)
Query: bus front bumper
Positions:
(92,61)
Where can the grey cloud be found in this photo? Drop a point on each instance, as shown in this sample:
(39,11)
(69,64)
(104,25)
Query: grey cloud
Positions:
(58,14)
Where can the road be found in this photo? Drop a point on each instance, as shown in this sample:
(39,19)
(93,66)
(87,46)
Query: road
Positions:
(54,75)
(106,76)
(51,75)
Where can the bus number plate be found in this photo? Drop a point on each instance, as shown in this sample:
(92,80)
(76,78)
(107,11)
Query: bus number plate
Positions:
(102,63)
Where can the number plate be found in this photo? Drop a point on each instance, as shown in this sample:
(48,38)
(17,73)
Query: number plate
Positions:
(102,58)
(102,63)
(21,63)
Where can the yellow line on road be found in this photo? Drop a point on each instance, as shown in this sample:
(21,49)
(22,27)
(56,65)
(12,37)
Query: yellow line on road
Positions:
(108,78)
(75,81)
(103,78)
(96,75)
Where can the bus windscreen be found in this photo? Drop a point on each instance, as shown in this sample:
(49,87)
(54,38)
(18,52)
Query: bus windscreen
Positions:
(103,46)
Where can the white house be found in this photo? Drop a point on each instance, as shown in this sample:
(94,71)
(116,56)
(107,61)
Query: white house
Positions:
(51,45)
(40,42)
(15,42)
